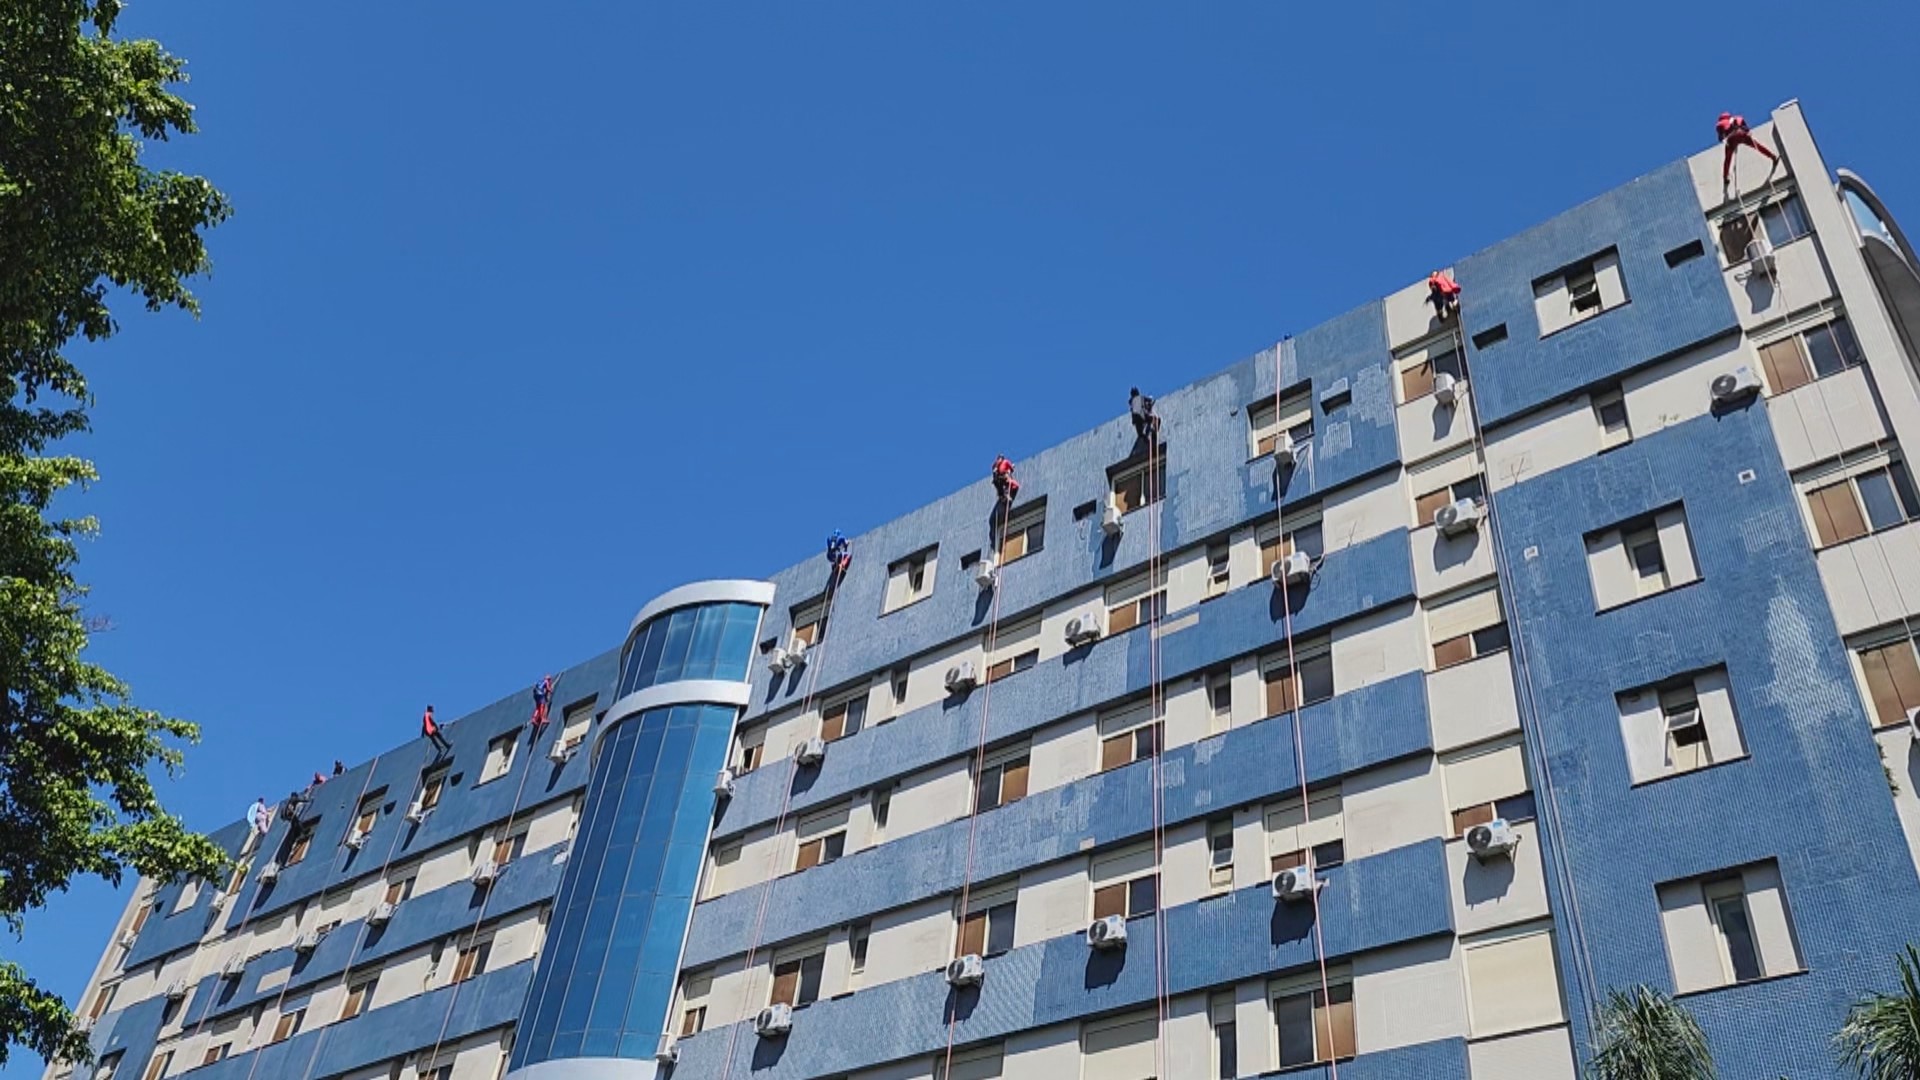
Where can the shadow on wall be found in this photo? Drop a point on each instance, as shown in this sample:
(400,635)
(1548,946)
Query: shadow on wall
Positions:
(1104,967)
(1443,417)
(1452,551)
(1292,921)
(1485,882)
(1287,601)
(767,1053)
(1759,291)
(961,1001)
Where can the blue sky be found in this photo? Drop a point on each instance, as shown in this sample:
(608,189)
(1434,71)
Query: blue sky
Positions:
(522,320)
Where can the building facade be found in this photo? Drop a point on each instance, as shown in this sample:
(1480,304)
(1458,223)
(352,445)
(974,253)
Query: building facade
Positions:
(1424,680)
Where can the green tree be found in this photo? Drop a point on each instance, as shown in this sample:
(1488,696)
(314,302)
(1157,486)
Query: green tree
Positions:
(1645,1035)
(80,217)
(1881,1038)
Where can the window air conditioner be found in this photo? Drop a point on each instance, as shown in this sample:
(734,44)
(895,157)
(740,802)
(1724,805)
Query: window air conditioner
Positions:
(1110,517)
(668,1052)
(418,812)
(962,677)
(1493,840)
(1087,627)
(307,942)
(486,872)
(235,967)
(723,784)
(1739,383)
(176,990)
(1295,569)
(773,1021)
(1460,516)
(986,572)
(562,751)
(967,970)
(813,751)
(357,839)
(1107,933)
(1296,884)
(1760,254)
(1283,450)
(1443,388)
(382,914)
(270,873)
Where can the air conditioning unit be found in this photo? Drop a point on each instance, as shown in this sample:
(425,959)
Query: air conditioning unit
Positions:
(1283,449)
(176,990)
(219,903)
(357,839)
(962,677)
(270,873)
(562,751)
(1107,933)
(1087,627)
(796,653)
(1296,884)
(307,942)
(1760,255)
(778,661)
(83,1024)
(127,939)
(773,1021)
(986,572)
(1110,517)
(382,914)
(1444,388)
(418,812)
(1739,383)
(812,752)
(235,967)
(1460,516)
(967,970)
(486,873)
(1493,840)
(1295,569)
(723,784)
(668,1052)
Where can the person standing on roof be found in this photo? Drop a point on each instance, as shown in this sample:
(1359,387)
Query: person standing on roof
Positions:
(1003,481)
(1733,131)
(542,699)
(839,552)
(261,815)
(431,729)
(1140,409)
(1444,294)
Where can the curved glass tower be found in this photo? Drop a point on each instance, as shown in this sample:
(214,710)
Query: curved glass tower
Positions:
(605,979)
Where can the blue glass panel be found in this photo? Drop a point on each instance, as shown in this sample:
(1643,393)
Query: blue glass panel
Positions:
(637,1044)
(679,637)
(736,644)
(600,1043)
(566,1044)
(706,642)
(645,675)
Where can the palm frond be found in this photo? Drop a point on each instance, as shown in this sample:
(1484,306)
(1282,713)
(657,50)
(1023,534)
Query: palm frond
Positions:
(1644,1035)
(1881,1038)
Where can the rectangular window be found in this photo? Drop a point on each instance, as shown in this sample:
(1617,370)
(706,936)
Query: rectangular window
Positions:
(1679,725)
(102,1000)
(979,1063)
(1727,909)
(576,722)
(1025,534)
(1135,602)
(158,1067)
(297,848)
(1579,292)
(288,1025)
(1610,414)
(897,688)
(1782,222)
(1640,557)
(369,813)
(1418,370)
(796,979)
(1220,853)
(1268,419)
(1892,676)
(910,580)
(215,1053)
(1226,1035)
(1219,702)
(1815,353)
(1013,649)
(1468,627)
(858,936)
(1134,484)
(432,786)
(399,891)
(1869,496)
(844,717)
(880,806)
(1427,505)
(1299,532)
(1129,735)
(1728,927)
(752,751)
(508,848)
(1305,678)
(499,756)
(1003,778)
(1513,981)
(1487,782)
(1297,836)
(1219,570)
(986,929)
(822,838)
(1125,883)
(694,990)
(809,621)
(359,996)
(144,911)
(1313,1025)
(1120,1047)
(472,960)
(720,875)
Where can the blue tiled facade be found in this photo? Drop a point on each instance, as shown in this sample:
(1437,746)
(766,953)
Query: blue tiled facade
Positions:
(629,904)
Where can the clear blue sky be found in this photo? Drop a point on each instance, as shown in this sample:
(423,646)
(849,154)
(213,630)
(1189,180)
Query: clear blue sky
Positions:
(529,312)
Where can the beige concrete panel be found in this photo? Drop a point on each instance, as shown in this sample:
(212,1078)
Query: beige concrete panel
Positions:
(1691,947)
(764,855)
(518,938)
(404,976)
(1715,694)
(1772,924)
(1427,427)
(736,993)
(1471,702)
(1053,902)
(1752,168)
(1874,580)
(1358,513)
(1680,389)
(1253,1027)
(1609,570)
(1186,1039)
(1799,280)
(1512,981)
(1408,994)
(1064,752)
(917,1069)
(1249,693)
(1409,316)
(446,865)
(1442,563)
(1644,732)
(1185,863)
(931,797)
(910,941)
(1676,546)
(1498,892)
(551,825)
(1391,806)
(1250,847)
(1186,582)
(1825,418)
(1048,1053)
(1542,441)
(1376,647)
(1902,755)
(1530,1055)
(1189,714)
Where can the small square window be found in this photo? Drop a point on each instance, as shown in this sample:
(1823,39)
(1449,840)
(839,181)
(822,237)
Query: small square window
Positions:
(1138,482)
(1219,570)
(499,757)
(1025,534)
(910,580)
(1610,413)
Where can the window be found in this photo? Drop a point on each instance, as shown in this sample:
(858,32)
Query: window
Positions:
(239,877)
(289,1024)
(359,996)
(858,937)
(1302,679)
(910,580)
(102,1000)
(1583,294)
(575,723)
(1220,853)
(369,813)
(1429,504)
(1299,532)
(1219,570)
(1679,725)
(1487,782)
(1136,602)
(1728,927)
(1219,702)
(398,892)
(1003,778)
(1226,1047)
(217,1052)
(1135,484)
(508,848)
(1013,649)
(1129,735)
(1579,292)
(693,1003)
(109,1065)
(880,806)
(1312,1024)
(752,751)
(144,910)
(1513,982)
(1782,221)
(796,978)
(1870,495)
(1120,1048)
(725,858)
(158,1067)
(844,717)
(1419,369)
(1126,883)
(897,688)
(1301,837)
(1646,555)
(809,621)
(986,928)
(978,1063)
(1468,627)
(1892,675)
(1610,412)
(822,836)
(297,848)
(1292,415)
(1025,534)
(431,787)
(499,756)
(1798,359)
(472,960)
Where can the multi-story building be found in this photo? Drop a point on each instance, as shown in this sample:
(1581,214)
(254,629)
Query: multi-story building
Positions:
(1422,681)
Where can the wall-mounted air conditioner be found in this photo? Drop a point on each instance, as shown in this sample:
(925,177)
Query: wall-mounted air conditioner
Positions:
(966,970)
(1492,840)
(1110,518)
(1295,569)
(812,752)
(1739,383)
(1459,516)
(1107,933)
(773,1021)
(962,677)
(1087,627)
